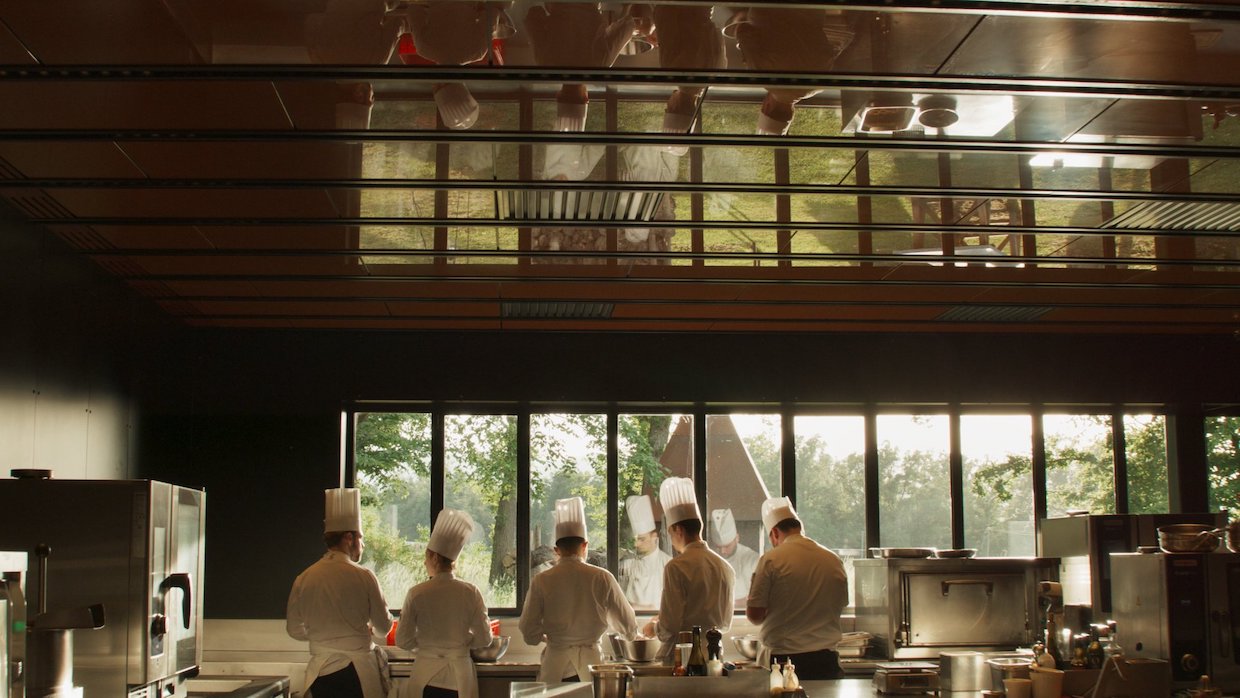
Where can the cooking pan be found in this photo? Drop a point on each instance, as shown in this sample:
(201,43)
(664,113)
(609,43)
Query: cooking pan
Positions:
(1189,538)
(888,553)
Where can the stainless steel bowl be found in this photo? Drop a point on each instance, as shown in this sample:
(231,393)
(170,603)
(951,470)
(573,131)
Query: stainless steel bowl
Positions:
(748,645)
(493,651)
(956,553)
(1188,538)
(643,650)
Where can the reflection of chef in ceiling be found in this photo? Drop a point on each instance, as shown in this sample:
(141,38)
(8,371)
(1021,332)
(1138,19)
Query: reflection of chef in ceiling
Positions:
(641,575)
(450,32)
(726,541)
(575,162)
(782,39)
(688,40)
(575,35)
(352,32)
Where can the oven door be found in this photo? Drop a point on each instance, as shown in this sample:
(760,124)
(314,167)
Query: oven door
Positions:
(961,609)
(1224,609)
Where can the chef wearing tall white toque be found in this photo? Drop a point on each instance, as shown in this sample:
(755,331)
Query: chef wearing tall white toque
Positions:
(726,541)
(641,575)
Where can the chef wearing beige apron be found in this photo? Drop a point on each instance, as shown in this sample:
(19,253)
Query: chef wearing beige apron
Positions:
(570,605)
(641,576)
(443,618)
(337,606)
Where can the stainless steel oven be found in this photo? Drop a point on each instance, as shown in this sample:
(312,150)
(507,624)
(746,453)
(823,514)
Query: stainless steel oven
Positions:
(1184,608)
(917,608)
(136,547)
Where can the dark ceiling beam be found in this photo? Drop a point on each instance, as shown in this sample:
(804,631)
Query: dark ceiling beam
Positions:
(890,82)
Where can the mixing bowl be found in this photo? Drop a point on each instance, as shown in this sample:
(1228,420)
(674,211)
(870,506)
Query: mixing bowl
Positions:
(748,645)
(493,651)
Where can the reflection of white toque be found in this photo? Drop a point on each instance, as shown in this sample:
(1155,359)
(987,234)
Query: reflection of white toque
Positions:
(457,107)
(777,509)
(570,518)
(453,528)
(641,514)
(676,123)
(570,116)
(724,530)
(768,126)
(342,509)
(679,500)
(352,116)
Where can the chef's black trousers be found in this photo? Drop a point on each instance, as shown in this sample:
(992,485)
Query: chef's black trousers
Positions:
(437,692)
(814,666)
(338,684)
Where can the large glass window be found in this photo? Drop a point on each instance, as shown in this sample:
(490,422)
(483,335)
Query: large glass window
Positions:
(998,484)
(480,460)
(651,447)
(742,470)
(392,453)
(1145,438)
(830,468)
(1223,460)
(568,458)
(1080,468)
(913,507)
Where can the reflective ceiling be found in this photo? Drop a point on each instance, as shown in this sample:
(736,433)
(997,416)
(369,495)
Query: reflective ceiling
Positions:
(1038,166)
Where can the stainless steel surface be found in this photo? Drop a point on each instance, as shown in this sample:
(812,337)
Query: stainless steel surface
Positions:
(492,652)
(914,553)
(643,650)
(963,671)
(12,620)
(132,545)
(1181,607)
(744,683)
(956,553)
(1189,538)
(1001,668)
(748,645)
(611,680)
(916,609)
(906,678)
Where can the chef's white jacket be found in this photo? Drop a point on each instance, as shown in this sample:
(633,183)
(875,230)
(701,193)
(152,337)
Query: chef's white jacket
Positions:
(744,561)
(337,606)
(443,618)
(641,578)
(697,590)
(571,604)
(804,588)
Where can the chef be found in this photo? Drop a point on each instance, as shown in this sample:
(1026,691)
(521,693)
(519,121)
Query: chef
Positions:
(799,591)
(352,32)
(784,39)
(443,618)
(688,40)
(697,583)
(727,542)
(575,35)
(641,576)
(570,605)
(336,605)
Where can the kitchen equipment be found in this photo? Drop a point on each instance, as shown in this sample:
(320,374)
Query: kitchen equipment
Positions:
(937,111)
(493,651)
(853,645)
(134,546)
(963,671)
(916,609)
(1189,538)
(1084,544)
(914,553)
(956,553)
(611,680)
(906,678)
(1002,668)
(1233,536)
(1047,683)
(640,650)
(741,683)
(12,624)
(1184,608)
(748,645)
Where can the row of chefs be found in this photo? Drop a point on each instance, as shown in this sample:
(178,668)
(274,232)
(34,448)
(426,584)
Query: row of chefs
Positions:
(797,593)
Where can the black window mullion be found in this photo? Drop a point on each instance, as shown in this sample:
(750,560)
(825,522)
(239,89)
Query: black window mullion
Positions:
(873,532)
(955,466)
(438,462)
(348,447)
(1119,460)
(1038,471)
(613,490)
(788,455)
(523,504)
(699,454)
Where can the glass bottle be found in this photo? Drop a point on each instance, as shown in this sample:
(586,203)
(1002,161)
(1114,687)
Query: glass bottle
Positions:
(697,659)
(678,669)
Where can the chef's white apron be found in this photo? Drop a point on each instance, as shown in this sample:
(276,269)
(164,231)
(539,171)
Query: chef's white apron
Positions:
(430,662)
(557,659)
(370,665)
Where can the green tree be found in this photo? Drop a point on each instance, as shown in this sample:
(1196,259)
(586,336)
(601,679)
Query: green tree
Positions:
(1223,459)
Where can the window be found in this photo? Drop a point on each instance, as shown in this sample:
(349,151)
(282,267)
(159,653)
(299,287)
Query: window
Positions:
(998,484)
(1145,438)
(913,507)
(1080,469)
(652,447)
(1223,460)
(568,458)
(830,469)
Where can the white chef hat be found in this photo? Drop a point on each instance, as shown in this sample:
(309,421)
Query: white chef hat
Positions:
(453,528)
(777,509)
(676,123)
(342,510)
(570,518)
(679,500)
(770,126)
(457,107)
(723,531)
(570,116)
(641,513)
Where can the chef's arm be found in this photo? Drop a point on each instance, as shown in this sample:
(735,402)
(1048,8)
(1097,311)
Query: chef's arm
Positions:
(481,627)
(671,608)
(294,625)
(755,614)
(530,624)
(622,617)
(407,628)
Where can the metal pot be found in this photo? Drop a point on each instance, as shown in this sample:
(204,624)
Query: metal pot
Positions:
(1189,538)
(643,650)
(611,680)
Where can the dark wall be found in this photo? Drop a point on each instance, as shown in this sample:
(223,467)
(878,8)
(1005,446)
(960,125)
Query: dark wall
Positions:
(254,416)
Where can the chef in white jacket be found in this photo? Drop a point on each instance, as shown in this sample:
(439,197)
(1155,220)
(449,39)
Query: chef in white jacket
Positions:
(443,618)
(727,542)
(697,583)
(641,576)
(337,606)
(570,605)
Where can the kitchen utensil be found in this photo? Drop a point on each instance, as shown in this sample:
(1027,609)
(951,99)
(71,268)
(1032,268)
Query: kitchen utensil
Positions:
(643,650)
(493,651)
(1233,536)
(1018,688)
(748,645)
(888,553)
(1047,683)
(1189,538)
(963,671)
(956,553)
(1002,668)
(611,680)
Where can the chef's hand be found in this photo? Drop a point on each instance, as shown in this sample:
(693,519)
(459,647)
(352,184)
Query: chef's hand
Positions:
(650,629)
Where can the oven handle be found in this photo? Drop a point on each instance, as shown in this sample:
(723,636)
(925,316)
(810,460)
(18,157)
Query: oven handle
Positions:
(1220,624)
(947,584)
(180,580)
